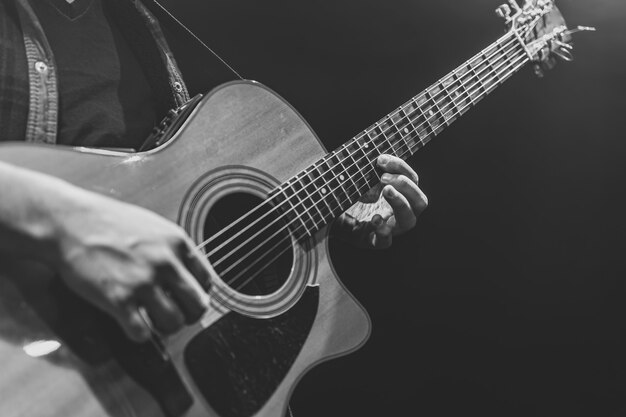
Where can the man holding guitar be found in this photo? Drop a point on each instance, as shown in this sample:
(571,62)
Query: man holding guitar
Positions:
(99,73)
(218,236)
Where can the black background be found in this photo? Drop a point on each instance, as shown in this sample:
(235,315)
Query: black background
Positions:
(509,298)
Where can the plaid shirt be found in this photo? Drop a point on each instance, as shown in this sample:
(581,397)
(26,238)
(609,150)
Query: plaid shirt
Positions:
(29,97)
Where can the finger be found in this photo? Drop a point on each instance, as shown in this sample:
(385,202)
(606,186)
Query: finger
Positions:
(409,189)
(405,218)
(133,324)
(394,165)
(381,237)
(164,315)
(196,262)
(187,292)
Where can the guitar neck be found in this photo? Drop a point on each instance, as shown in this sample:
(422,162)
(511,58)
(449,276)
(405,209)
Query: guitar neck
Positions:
(330,186)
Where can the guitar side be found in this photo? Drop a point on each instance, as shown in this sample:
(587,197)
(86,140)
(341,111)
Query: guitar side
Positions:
(238,127)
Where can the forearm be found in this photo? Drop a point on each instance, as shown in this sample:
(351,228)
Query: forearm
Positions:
(31,207)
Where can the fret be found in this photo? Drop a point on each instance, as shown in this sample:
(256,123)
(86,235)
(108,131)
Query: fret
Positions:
(369,145)
(431,110)
(369,132)
(418,121)
(310,192)
(319,202)
(357,165)
(372,136)
(443,103)
(506,54)
(492,77)
(438,103)
(406,130)
(409,131)
(324,189)
(335,187)
(389,131)
(401,147)
(459,74)
(379,141)
(365,152)
(420,106)
(476,87)
(382,134)
(283,200)
(431,97)
(370,154)
(487,79)
(446,84)
(304,203)
(343,176)
(503,62)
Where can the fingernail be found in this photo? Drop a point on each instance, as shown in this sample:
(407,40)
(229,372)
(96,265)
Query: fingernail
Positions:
(383,159)
(386,178)
(389,192)
(377,221)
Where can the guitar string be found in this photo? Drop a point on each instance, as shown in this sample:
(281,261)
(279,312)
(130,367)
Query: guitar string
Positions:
(509,67)
(415,112)
(288,224)
(512,70)
(200,41)
(215,236)
(487,63)
(323,199)
(330,192)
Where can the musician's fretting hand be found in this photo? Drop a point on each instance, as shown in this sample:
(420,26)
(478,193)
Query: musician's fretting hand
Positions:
(124,258)
(390,209)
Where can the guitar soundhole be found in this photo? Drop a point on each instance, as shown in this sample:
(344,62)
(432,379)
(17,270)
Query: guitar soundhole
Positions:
(249,245)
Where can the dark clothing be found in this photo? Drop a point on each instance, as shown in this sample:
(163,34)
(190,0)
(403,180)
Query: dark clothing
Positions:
(30,74)
(14,87)
(105,99)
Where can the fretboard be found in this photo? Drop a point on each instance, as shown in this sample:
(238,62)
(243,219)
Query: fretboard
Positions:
(326,189)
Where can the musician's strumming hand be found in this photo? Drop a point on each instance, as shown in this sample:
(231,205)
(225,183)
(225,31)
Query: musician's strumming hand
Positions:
(120,257)
(125,259)
(390,209)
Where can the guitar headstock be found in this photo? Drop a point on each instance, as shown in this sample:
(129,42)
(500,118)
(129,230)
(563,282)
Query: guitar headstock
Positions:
(541,28)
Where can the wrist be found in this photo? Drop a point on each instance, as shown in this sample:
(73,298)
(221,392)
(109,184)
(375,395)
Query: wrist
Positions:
(33,210)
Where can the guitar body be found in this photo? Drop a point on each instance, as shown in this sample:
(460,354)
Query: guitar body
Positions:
(62,357)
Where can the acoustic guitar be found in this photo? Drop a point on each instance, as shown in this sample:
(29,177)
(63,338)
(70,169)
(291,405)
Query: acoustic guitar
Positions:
(243,173)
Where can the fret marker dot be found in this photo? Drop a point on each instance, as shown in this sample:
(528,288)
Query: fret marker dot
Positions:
(366,145)
(406,130)
(324,191)
(341,178)
(431,113)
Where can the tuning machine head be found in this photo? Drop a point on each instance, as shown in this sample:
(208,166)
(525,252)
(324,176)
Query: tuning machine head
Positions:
(508,11)
(556,44)
(504,11)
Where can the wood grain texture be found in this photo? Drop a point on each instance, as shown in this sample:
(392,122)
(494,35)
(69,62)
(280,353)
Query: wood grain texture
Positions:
(237,124)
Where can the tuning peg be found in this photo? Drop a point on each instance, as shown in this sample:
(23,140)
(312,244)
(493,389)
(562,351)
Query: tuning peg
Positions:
(563,45)
(504,11)
(580,29)
(515,6)
(564,53)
